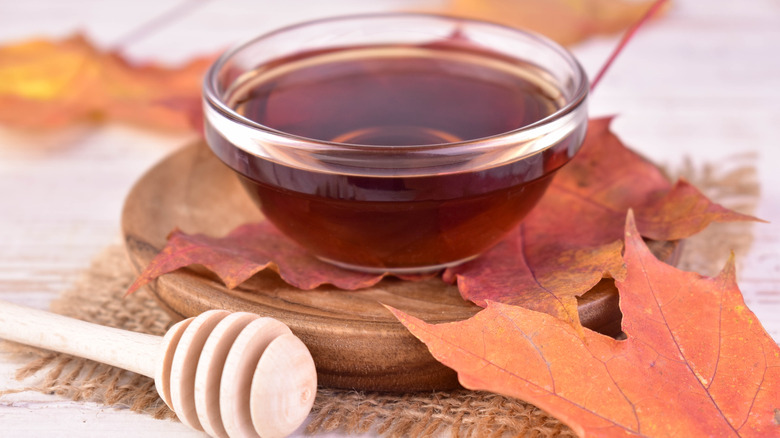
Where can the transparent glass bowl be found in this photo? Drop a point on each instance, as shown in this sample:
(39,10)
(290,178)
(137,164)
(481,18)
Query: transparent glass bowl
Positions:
(396,208)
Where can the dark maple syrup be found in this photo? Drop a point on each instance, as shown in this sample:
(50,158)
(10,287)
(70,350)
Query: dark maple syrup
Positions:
(389,99)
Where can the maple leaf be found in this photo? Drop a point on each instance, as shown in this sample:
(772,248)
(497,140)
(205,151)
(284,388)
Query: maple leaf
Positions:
(571,239)
(564,247)
(565,21)
(50,84)
(696,361)
(247,250)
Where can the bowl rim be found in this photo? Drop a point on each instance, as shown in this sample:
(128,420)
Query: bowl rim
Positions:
(213,102)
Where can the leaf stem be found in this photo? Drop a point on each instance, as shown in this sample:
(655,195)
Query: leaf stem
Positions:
(651,11)
(155,24)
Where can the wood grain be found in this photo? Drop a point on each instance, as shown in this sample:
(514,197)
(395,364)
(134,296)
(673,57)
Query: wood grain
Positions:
(355,341)
(132,351)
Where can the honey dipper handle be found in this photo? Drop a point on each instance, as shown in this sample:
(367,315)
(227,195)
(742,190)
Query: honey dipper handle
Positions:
(137,352)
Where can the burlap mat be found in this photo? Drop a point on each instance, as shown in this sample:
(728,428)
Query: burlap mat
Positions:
(97,297)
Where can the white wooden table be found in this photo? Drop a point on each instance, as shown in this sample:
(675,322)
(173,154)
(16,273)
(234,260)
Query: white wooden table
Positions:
(703,83)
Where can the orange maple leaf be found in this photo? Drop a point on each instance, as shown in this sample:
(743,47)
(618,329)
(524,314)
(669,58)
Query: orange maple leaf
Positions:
(696,361)
(51,84)
(48,84)
(571,239)
(565,21)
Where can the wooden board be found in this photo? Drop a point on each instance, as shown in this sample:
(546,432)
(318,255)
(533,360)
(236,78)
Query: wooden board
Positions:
(355,342)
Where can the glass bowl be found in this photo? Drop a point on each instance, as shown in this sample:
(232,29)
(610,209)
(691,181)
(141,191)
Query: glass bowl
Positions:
(396,143)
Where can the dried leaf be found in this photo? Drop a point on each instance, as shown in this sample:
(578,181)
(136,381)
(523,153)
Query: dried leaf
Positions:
(47,84)
(696,361)
(565,21)
(565,246)
(247,250)
(51,84)
(570,241)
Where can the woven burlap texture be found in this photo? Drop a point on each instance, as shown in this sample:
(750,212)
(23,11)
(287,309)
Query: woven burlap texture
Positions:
(98,297)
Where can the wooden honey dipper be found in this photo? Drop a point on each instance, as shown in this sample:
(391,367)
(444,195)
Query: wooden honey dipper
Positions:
(228,374)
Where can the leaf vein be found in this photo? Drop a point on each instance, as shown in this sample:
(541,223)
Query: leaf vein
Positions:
(674,340)
(532,271)
(758,389)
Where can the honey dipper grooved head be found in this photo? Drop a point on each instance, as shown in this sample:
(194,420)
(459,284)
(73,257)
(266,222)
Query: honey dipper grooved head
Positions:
(288,399)
(237,375)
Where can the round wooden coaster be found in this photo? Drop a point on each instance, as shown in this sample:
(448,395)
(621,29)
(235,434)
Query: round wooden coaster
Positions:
(355,342)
